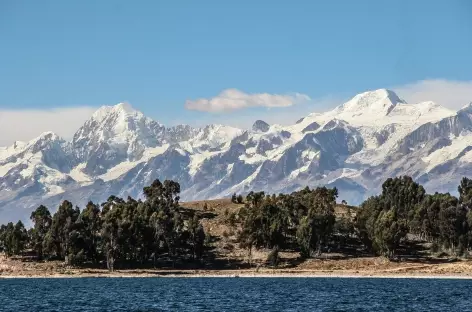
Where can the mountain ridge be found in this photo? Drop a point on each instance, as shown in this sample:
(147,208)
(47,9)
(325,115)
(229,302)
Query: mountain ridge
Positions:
(373,136)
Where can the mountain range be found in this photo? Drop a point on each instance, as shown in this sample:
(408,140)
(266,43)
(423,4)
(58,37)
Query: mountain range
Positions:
(354,147)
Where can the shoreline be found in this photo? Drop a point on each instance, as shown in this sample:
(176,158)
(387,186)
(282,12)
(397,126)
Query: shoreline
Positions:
(458,277)
(235,274)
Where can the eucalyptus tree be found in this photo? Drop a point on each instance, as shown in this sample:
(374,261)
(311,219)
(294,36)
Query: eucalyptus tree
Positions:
(58,241)
(42,221)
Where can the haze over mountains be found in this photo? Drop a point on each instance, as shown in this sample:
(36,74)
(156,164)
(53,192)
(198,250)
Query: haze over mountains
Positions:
(354,147)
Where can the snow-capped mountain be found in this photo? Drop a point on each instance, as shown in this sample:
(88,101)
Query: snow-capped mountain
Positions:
(114,134)
(354,147)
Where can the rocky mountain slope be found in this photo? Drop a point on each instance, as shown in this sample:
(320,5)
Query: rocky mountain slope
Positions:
(354,147)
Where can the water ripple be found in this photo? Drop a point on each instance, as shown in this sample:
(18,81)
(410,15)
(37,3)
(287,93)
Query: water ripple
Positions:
(230,294)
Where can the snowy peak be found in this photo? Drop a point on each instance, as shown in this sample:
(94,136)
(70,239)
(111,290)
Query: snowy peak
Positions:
(125,107)
(39,144)
(46,136)
(380,101)
(466,108)
(214,135)
(117,123)
(380,108)
(115,134)
(113,120)
(121,109)
(260,126)
(15,148)
(43,142)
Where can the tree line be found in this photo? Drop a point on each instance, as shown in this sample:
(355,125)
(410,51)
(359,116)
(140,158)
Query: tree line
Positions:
(133,232)
(125,232)
(306,221)
(404,207)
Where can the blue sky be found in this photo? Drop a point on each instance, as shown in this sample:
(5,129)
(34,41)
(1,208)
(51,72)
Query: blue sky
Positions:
(65,55)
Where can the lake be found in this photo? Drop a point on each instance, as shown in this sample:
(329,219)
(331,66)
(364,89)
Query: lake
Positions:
(235,294)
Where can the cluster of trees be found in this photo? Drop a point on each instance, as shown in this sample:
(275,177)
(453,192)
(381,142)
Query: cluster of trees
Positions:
(305,220)
(127,232)
(134,232)
(13,238)
(404,207)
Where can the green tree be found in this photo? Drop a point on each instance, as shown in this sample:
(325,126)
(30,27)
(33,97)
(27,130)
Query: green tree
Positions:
(264,224)
(42,221)
(90,224)
(388,232)
(403,194)
(465,193)
(168,224)
(317,220)
(197,237)
(3,231)
(344,229)
(14,238)
(305,237)
(7,238)
(366,219)
(111,230)
(59,240)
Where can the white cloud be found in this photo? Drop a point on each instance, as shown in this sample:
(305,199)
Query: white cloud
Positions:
(273,115)
(24,125)
(448,93)
(233,99)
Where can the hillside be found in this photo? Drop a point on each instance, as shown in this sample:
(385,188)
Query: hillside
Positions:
(216,225)
(230,260)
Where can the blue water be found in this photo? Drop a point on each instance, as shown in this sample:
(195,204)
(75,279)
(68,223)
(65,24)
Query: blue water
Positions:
(235,294)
